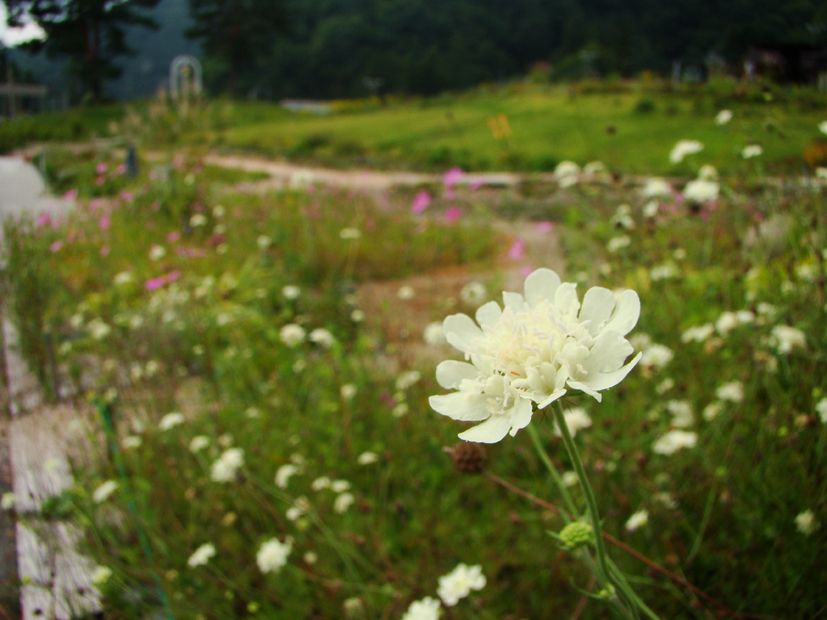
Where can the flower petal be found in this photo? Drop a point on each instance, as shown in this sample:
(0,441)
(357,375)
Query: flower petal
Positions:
(598,304)
(626,314)
(489,314)
(551,398)
(494,429)
(602,381)
(540,285)
(521,416)
(565,298)
(461,406)
(450,373)
(461,331)
(514,301)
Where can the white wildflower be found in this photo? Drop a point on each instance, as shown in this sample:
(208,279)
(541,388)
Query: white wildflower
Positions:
(343,502)
(806,522)
(458,583)
(534,351)
(171,420)
(272,555)
(637,520)
(198,443)
(292,334)
(425,609)
(367,458)
(103,492)
(202,555)
(723,117)
(673,441)
(732,391)
(284,473)
(684,148)
(701,190)
(576,419)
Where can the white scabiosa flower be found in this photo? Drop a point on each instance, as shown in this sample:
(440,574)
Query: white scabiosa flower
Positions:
(618,243)
(473,293)
(291,291)
(576,419)
(807,523)
(785,338)
(272,555)
(171,420)
(699,333)
(682,415)
(424,609)
(821,409)
(292,334)
(202,555)
(343,502)
(656,356)
(340,486)
(567,173)
(656,188)
(322,337)
(131,442)
(701,190)
(227,465)
(284,473)
(347,391)
(7,501)
(459,582)
(684,148)
(157,252)
(102,493)
(532,352)
(433,334)
(673,441)
(367,458)
(198,443)
(723,117)
(751,150)
(124,277)
(637,520)
(732,391)
(407,379)
(101,575)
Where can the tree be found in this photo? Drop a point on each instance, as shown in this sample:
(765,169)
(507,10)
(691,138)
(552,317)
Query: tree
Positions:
(236,31)
(90,33)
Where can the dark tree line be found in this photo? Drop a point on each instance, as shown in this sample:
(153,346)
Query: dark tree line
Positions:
(343,48)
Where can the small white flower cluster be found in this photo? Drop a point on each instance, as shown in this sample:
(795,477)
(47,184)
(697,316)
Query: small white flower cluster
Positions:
(684,148)
(171,420)
(102,493)
(453,587)
(576,419)
(404,381)
(293,335)
(201,555)
(567,173)
(225,469)
(272,555)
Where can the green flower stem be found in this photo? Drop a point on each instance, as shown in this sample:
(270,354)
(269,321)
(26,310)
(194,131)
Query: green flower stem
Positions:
(570,506)
(607,575)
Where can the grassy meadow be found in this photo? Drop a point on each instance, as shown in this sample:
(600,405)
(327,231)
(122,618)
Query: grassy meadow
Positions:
(260,446)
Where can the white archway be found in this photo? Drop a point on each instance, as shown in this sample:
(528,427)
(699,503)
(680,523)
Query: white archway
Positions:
(182,88)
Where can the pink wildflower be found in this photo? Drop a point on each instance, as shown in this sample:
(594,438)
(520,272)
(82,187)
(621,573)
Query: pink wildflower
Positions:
(103,222)
(156,283)
(127,196)
(544,227)
(173,236)
(517,250)
(453,214)
(104,251)
(72,194)
(421,202)
(56,245)
(43,220)
(101,168)
(452,177)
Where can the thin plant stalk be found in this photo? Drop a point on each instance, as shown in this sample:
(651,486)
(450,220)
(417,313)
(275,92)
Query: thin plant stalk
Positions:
(606,573)
(564,492)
